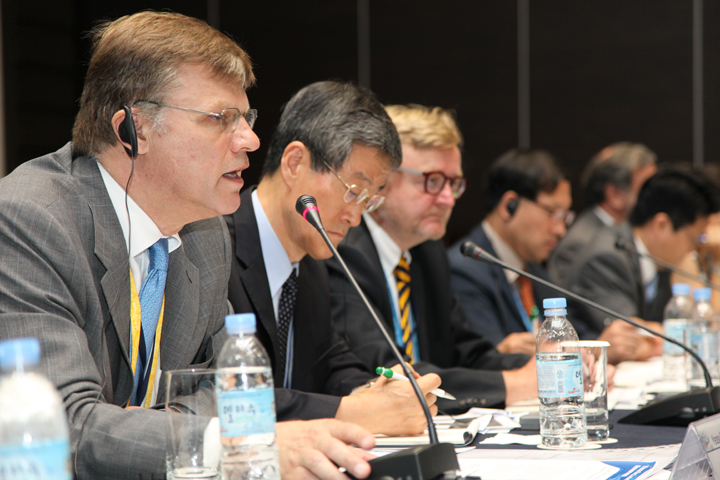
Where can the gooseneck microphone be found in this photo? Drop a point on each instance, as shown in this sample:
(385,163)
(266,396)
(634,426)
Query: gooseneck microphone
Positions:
(676,410)
(626,245)
(418,463)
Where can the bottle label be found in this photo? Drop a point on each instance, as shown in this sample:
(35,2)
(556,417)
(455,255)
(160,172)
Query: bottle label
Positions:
(560,378)
(44,460)
(706,345)
(675,329)
(246,412)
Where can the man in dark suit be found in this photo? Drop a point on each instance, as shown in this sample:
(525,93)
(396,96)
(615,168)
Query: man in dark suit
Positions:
(158,148)
(667,221)
(611,183)
(335,142)
(402,268)
(529,201)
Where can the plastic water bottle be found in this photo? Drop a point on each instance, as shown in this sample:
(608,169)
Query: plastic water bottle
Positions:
(246,404)
(33,426)
(560,381)
(704,336)
(677,317)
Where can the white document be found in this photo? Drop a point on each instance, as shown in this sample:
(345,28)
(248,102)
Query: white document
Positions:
(456,436)
(554,462)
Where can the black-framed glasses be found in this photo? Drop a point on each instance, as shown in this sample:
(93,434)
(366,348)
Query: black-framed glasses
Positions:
(357,195)
(435,182)
(557,214)
(229,118)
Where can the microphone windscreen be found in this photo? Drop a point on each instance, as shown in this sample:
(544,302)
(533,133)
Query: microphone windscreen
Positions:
(622,244)
(469,249)
(303,202)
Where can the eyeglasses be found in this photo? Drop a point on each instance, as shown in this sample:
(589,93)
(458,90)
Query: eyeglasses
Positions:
(229,118)
(435,182)
(557,214)
(358,195)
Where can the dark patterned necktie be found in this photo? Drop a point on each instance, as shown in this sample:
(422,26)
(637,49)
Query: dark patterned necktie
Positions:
(402,277)
(286,310)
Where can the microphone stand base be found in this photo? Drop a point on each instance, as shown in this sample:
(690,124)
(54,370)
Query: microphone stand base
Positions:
(423,462)
(678,410)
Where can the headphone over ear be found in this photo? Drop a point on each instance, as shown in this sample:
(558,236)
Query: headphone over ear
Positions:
(127,133)
(511,206)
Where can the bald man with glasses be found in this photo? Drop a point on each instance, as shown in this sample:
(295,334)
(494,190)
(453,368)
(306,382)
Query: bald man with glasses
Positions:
(399,262)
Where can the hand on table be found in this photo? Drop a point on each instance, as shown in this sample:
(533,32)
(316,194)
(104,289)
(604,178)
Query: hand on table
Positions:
(314,449)
(389,406)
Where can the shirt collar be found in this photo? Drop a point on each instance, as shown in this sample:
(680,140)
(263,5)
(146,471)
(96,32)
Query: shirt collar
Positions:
(144,233)
(648,269)
(388,251)
(277,262)
(604,216)
(504,252)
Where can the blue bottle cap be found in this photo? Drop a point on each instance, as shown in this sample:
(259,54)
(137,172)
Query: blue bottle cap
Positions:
(240,323)
(19,351)
(557,305)
(702,294)
(681,290)
(554,303)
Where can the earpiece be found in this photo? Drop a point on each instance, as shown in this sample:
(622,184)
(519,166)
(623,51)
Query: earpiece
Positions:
(127,132)
(511,206)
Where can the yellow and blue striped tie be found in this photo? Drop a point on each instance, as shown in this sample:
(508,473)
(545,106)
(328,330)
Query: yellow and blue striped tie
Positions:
(402,277)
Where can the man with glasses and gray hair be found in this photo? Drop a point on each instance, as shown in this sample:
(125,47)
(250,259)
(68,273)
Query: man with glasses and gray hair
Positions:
(401,265)
(336,143)
(611,183)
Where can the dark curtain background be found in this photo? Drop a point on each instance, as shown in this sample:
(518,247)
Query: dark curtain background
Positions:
(600,71)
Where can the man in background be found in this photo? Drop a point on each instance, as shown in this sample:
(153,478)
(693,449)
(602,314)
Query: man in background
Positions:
(670,215)
(529,202)
(400,264)
(611,183)
(336,143)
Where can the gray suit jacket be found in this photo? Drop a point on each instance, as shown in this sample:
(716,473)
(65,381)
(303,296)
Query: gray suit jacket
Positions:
(64,279)
(582,232)
(605,275)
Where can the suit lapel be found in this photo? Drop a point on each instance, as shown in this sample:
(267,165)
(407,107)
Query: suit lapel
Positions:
(110,252)
(362,240)
(253,275)
(418,291)
(643,308)
(503,289)
(180,317)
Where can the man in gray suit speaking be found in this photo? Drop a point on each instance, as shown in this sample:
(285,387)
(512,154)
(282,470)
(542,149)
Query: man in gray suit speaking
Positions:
(113,254)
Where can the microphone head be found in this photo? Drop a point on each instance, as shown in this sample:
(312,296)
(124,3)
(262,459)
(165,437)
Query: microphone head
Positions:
(469,249)
(304,202)
(622,244)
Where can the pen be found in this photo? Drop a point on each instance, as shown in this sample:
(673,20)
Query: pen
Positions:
(386,372)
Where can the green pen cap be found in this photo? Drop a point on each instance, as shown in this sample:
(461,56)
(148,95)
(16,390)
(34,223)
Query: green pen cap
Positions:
(384,371)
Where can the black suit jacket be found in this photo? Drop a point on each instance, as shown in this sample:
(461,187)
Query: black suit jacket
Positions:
(446,345)
(485,294)
(324,368)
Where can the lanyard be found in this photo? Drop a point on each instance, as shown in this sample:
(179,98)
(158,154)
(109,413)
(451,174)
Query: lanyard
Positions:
(136,323)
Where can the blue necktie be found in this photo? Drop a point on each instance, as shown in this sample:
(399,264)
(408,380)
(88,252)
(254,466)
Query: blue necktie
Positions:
(151,299)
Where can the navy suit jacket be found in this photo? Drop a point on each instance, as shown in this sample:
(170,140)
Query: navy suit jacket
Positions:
(446,345)
(485,294)
(324,368)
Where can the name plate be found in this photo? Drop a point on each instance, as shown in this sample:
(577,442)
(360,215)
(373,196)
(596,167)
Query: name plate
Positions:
(699,455)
